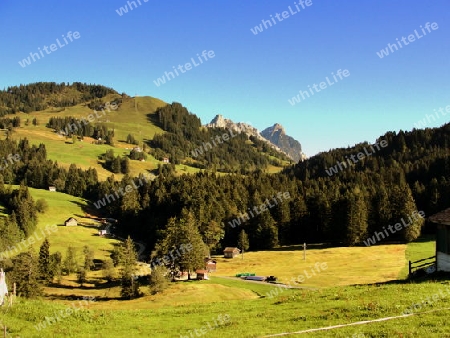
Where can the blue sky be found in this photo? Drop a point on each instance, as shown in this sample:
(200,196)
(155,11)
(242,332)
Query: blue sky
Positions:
(251,77)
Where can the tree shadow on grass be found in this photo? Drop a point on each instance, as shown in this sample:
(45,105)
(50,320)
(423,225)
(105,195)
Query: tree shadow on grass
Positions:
(436,277)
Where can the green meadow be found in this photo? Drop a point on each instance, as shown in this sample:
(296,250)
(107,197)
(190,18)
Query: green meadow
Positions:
(61,207)
(359,284)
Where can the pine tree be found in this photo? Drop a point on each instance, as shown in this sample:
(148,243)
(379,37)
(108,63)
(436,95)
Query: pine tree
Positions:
(159,280)
(45,271)
(88,258)
(130,287)
(195,258)
(243,242)
(356,218)
(212,233)
(81,276)
(26,274)
(56,265)
(116,165)
(108,270)
(70,263)
(182,236)
(125,166)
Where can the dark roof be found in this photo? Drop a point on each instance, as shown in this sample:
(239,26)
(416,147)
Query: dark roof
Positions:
(71,218)
(442,217)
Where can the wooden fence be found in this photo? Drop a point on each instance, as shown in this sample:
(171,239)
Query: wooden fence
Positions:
(426,262)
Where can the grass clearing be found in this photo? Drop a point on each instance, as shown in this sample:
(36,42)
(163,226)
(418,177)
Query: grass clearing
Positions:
(345,266)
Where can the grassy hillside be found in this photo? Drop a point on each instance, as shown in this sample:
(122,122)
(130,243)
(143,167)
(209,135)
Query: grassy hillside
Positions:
(126,120)
(133,117)
(61,207)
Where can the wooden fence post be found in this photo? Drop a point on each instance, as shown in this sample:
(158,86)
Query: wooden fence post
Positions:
(409,268)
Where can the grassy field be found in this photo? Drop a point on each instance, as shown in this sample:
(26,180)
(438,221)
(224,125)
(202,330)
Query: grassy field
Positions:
(252,312)
(291,311)
(61,207)
(345,266)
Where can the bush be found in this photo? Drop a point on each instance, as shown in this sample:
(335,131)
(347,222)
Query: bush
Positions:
(159,280)
(41,205)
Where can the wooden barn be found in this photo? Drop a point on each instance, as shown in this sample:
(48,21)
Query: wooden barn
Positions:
(202,274)
(231,252)
(442,221)
(210,265)
(71,222)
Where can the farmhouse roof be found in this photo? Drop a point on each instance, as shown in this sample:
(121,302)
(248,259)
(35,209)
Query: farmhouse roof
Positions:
(442,217)
(230,249)
(71,219)
(201,271)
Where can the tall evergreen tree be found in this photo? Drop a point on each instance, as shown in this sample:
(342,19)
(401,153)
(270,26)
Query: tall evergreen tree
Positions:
(130,287)
(70,262)
(88,258)
(182,235)
(243,242)
(26,274)
(45,271)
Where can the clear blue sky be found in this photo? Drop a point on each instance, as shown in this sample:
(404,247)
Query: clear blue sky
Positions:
(251,77)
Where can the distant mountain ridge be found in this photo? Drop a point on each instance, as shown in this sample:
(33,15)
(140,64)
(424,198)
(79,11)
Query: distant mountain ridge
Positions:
(275,136)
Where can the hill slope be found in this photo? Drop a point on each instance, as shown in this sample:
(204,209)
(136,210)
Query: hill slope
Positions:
(61,207)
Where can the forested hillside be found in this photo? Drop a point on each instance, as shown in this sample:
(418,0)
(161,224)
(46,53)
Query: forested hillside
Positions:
(208,148)
(409,174)
(41,95)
